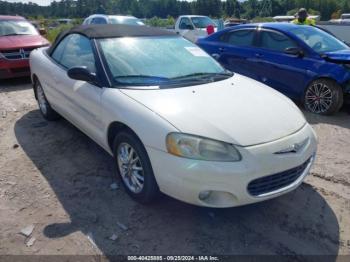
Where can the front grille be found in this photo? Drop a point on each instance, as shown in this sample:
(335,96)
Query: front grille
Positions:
(277,181)
(3,73)
(11,54)
(15,54)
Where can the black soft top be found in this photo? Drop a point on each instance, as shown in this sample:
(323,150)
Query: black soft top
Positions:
(111,31)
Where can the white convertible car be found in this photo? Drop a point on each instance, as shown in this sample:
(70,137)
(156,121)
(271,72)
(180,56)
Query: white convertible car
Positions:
(172,117)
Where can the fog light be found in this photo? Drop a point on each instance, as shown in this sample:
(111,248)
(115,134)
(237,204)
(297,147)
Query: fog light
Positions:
(204,195)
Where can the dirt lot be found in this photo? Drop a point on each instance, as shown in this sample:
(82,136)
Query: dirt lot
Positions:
(54,177)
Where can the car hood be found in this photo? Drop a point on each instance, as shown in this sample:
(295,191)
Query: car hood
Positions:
(342,56)
(22,41)
(238,110)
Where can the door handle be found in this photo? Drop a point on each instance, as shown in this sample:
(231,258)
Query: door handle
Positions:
(259,55)
(222,49)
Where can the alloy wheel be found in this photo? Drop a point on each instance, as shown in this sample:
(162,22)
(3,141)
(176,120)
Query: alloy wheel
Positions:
(41,99)
(318,98)
(130,168)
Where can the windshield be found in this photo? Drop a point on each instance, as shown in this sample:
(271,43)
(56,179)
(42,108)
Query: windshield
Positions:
(16,27)
(159,61)
(202,22)
(319,40)
(125,21)
(345,16)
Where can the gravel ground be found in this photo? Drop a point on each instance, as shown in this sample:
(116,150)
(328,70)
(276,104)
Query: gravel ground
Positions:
(54,177)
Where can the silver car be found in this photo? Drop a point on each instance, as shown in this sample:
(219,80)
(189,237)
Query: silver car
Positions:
(112,19)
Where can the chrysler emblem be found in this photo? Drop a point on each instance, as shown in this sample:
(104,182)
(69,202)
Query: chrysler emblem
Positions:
(22,53)
(294,148)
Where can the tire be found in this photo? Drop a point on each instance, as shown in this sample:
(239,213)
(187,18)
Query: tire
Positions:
(137,175)
(323,96)
(44,105)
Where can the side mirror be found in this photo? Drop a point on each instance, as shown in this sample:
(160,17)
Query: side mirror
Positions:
(82,74)
(42,31)
(296,51)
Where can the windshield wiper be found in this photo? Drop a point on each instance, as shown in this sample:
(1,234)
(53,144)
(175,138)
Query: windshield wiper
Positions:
(146,79)
(201,76)
(159,80)
(141,76)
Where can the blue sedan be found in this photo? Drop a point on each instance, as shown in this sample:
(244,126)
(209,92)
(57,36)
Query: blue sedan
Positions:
(303,62)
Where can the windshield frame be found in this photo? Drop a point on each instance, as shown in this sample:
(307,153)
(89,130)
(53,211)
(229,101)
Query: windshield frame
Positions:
(171,84)
(16,21)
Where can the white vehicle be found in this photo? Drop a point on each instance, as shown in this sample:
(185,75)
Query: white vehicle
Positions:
(193,27)
(284,18)
(112,19)
(345,18)
(173,119)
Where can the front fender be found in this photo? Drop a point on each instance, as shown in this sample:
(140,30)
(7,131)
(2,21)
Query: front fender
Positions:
(151,128)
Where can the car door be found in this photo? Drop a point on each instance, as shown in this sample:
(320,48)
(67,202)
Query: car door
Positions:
(78,101)
(286,73)
(236,51)
(186,29)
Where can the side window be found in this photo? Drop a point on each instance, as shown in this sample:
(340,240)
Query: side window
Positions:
(99,21)
(58,52)
(77,51)
(87,21)
(275,41)
(185,24)
(240,38)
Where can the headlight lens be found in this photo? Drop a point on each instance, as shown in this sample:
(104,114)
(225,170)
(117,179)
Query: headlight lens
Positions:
(194,147)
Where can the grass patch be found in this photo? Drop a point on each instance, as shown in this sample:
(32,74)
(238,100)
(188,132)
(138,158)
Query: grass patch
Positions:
(53,33)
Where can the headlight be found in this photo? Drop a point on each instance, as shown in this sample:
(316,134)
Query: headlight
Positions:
(200,148)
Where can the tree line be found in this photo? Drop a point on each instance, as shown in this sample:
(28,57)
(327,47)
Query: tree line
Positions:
(248,9)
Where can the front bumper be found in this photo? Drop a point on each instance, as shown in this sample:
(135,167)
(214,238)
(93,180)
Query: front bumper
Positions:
(14,68)
(186,179)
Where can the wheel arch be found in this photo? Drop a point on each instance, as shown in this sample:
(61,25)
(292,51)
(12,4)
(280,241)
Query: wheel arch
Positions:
(330,78)
(152,184)
(34,80)
(116,127)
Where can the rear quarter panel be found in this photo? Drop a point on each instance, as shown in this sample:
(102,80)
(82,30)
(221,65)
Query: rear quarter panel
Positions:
(46,71)
(35,60)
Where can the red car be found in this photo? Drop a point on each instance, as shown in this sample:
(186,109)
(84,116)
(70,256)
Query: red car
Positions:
(17,39)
